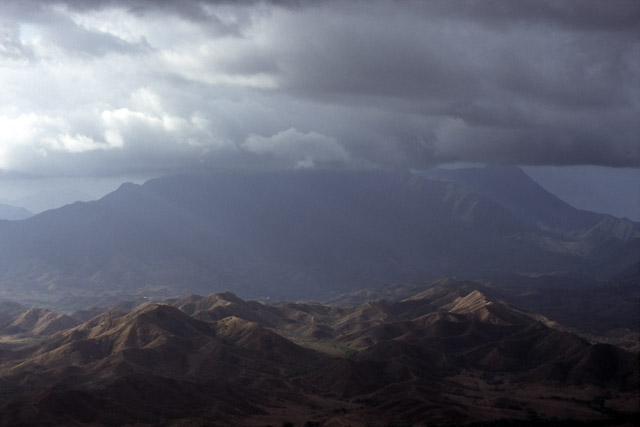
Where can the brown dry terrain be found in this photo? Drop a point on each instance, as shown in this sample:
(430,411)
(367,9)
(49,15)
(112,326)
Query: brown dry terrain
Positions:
(448,354)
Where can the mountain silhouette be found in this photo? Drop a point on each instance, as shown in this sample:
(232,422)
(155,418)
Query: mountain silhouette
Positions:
(302,234)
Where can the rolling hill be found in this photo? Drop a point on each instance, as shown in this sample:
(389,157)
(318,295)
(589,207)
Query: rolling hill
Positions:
(444,355)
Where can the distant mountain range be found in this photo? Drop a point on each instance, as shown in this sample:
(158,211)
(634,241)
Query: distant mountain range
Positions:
(12,213)
(46,199)
(305,234)
(449,355)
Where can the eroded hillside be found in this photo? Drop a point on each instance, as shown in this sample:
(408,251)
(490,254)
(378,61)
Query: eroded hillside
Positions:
(446,354)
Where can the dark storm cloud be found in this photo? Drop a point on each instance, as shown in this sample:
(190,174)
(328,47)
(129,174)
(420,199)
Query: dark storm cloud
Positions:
(616,15)
(161,84)
(543,83)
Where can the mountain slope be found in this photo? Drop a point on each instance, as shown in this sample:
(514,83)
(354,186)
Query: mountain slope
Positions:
(288,234)
(40,321)
(514,190)
(447,357)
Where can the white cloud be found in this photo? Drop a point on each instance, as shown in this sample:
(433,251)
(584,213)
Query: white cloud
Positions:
(155,127)
(80,143)
(27,139)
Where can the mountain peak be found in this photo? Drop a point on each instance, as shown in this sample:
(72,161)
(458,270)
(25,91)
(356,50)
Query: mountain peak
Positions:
(478,305)
(528,201)
(227,296)
(40,321)
(470,303)
(299,235)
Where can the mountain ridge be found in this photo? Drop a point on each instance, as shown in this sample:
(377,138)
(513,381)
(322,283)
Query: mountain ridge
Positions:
(298,234)
(453,354)
(511,187)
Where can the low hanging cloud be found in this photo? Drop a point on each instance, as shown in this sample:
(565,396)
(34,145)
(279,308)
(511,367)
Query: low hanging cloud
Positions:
(111,87)
(296,149)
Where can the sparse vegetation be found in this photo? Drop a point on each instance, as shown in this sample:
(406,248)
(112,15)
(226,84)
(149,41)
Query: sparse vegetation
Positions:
(419,364)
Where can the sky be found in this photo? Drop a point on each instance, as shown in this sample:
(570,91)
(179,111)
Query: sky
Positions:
(104,91)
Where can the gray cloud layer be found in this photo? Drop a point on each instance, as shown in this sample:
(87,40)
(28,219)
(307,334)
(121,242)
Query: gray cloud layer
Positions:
(115,87)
